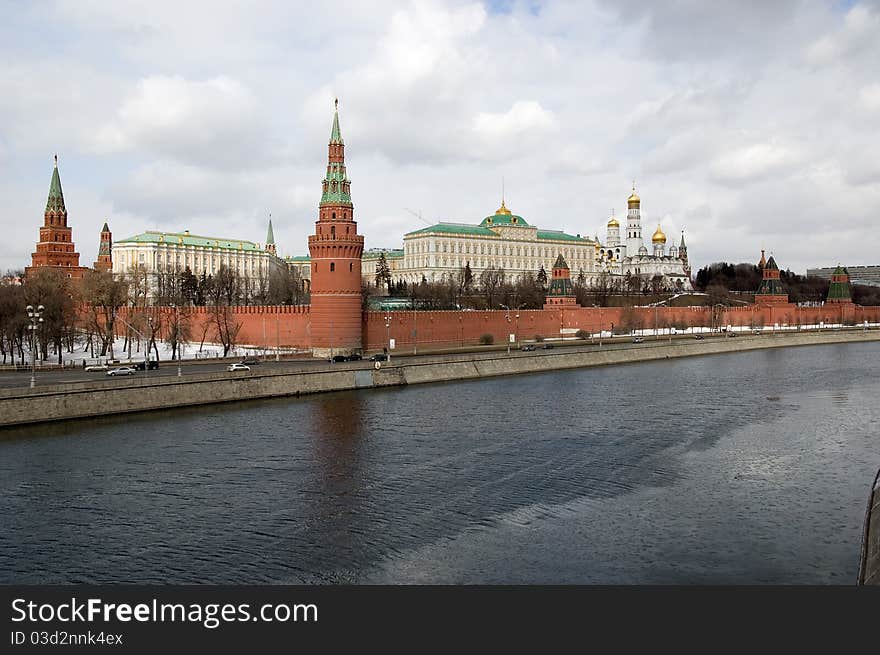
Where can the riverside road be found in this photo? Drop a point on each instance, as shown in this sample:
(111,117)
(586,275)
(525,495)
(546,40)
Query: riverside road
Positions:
(21,378)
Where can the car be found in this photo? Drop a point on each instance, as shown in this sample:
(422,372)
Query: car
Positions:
(699,336)
(122,370)
(238,367)
(96,367)
(354,357)
(339,358)
(379,357)
(547,346)
(756,332)
(527,348)
(731,334)
(638,340)
(250,361)
(146,366)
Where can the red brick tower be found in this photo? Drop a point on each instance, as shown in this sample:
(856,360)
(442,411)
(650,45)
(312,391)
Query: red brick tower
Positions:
(771,291)
(561,289)
(105,251)
(336,250)
(56,248)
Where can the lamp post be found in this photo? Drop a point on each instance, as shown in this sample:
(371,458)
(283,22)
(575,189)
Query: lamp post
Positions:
(507,336)
(177,335)
(36,318)
(388,336)
(516,330)
(136,331)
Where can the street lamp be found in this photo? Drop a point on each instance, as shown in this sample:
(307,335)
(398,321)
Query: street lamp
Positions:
(507,336)
(388,336)
(36,318)
(177,334)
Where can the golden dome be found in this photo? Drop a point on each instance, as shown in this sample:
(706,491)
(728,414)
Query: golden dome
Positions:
(502,209)
(613,222)
(634,197)
(658,237)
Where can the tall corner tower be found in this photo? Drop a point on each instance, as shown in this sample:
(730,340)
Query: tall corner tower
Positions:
(56,248)
(633,223)
(336,249)
(105,251)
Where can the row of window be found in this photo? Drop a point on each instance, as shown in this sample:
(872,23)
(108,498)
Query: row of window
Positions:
(583,252)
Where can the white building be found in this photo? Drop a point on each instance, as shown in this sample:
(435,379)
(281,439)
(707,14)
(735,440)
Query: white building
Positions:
(157,253)
(633,258)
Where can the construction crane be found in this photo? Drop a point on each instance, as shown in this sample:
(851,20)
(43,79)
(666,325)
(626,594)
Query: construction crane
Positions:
(418,215)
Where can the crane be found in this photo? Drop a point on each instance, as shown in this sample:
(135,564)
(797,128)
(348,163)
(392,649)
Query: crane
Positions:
(418,215)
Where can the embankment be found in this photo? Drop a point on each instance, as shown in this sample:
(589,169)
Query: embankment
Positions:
(62,402)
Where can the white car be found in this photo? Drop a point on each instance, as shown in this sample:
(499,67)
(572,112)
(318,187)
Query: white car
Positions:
(238,367)
(96,367)
(122,370)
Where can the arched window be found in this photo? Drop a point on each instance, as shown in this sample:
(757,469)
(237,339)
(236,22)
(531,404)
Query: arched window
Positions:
(332,230)
(332,266)
(351,267)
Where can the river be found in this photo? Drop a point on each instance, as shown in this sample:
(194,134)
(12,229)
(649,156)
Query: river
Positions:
(737,468)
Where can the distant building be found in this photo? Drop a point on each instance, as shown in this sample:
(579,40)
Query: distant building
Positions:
(56,249)
(869,275)
(158,253)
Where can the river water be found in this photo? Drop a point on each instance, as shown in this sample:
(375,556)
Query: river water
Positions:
(739,468)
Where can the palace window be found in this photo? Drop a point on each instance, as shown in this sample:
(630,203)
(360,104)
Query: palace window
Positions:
(332,266)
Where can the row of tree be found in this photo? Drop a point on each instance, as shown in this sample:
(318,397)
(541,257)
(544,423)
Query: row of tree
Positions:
(493,287)
(721,278)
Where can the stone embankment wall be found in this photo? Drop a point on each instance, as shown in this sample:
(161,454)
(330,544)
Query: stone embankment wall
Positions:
(60,402)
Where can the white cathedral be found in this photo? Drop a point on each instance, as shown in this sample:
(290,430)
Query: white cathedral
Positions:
(631,257)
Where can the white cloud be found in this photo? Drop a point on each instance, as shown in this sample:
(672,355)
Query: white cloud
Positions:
(207,123)
(208,117)
(752,162)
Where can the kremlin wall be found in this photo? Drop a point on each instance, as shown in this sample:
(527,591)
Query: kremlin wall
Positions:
(291,327)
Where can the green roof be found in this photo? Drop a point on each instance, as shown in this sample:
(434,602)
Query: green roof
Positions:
(270,235)
(456,228)
(393,253)
(190,240)
(56,195)
(299,258)
(560,262)
(335,133)
(505,219)
(105,228)
(556,235)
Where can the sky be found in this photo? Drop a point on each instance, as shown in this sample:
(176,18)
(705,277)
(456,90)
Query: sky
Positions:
(746,124)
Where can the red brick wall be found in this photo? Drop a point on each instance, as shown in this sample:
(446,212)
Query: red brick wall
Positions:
(292,327)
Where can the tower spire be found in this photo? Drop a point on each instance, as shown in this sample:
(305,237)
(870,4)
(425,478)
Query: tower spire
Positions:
(335,132)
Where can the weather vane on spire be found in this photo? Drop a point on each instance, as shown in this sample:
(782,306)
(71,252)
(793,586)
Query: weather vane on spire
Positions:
(56,160)
(336,103)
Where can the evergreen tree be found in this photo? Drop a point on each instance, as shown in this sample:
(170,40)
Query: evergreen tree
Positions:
(542,277)
(383,272)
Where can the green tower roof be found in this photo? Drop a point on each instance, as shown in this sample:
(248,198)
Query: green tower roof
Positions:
(335,133)
(560,262)
(105,228)
(270,236)
(56,195)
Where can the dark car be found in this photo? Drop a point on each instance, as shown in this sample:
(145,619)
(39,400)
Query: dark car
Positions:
(731,334)
(547,346)
(249,361)
(699,336)
(149,366)
(339,358)
(354,357)
(379,357)
(527,348)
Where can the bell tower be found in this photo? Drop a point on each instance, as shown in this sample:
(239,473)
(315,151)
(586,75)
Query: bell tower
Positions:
(336,249)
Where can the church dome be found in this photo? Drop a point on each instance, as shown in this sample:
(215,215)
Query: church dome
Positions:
(613,222)
(633,200)
(658,237)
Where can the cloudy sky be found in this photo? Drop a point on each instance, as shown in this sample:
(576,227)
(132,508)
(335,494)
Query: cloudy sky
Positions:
(748,124)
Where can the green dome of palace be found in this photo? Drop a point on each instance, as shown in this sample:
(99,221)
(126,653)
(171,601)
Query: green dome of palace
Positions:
(503,216)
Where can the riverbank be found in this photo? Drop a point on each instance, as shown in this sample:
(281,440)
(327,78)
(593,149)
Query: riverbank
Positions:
(71,401)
